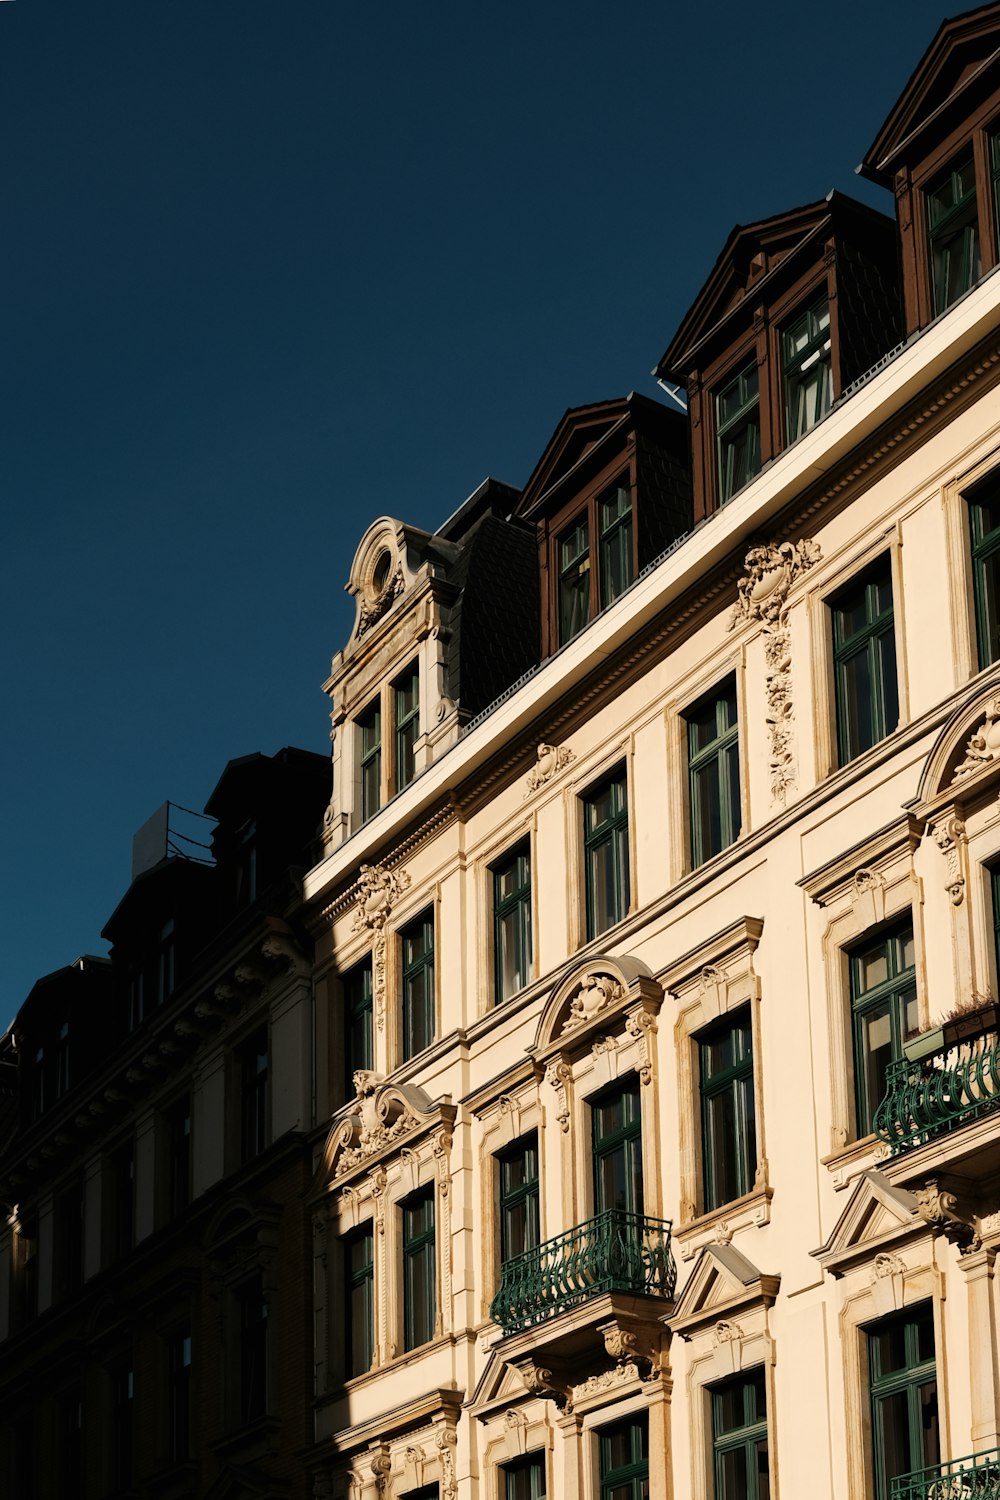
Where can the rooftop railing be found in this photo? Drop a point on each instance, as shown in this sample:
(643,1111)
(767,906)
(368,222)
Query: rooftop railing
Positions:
(957,1083)
(613,1252)
(976,1477)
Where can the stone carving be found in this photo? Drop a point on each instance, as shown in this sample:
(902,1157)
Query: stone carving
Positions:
(640,1025)
(597,1385)
(379,1183)
(381,1467)
(867,898)
(949,835)
(516,1424)
(282,949)
(447,1442)
(374,604)
(628,1345)
(984,744)
(727,1332)
(939,1208)
(594,994)
(551,759)
(378,890)
(762,596)
(541,1381)
(604,1044)
(414,1460)
(559,1075)
(887,1264)
(723,1232)
(383,1113)
(989,1224)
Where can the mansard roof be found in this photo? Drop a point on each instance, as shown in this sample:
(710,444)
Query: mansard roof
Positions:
(965,50)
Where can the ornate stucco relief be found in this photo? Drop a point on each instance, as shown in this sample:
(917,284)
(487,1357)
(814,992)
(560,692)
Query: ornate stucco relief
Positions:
(551,759)
(378,890)
(762,596)
(984,744)
(949,835)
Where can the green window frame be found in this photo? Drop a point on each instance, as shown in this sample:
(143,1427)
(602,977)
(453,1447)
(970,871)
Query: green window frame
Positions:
(714,772)
(884,1012)
(864,661)
(614,531)
(616,1137)
(737,431)
(953,233)
(994,874)
(359,1054)
(406,718)
(995,177)
(574,579)
(623,1450)
(524,1478)
(417,945)
(728,1124)
(512,921)
(984,530)
(520,1225)
(739,1438)
(808,369)
(369,730)
(605,844)
(419,1269)
(902,1376)
(359,1299)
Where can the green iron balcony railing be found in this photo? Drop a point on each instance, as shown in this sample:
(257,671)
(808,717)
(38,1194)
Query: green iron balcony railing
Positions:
(976,1477)
(928,1098)
(614,1252)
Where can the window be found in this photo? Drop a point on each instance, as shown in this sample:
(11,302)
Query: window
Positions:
(180,1395)
(995,175)
(68,1241)
(252,1351)
(406,717)
(953,232)
(728,1130)
(419,1269)
(624,1458)
(253,1095)
(519,1221)
(165,964)
(739,1434)
(179,1155)
(605,840)
(246,863)
(369,728)
(903,1386)
(714,773)
(617,1144)
(574,580)
(614,529)
(63,1072)
(737,429)
(864,655)
(418,985)
(358,1021)
(984,525)
(122,1392)
(808,369)
(122,1200)
(884,1009)
(584,591)
(136,999)
(524,1479)
(359,1277)
(512,921)
(38,1084)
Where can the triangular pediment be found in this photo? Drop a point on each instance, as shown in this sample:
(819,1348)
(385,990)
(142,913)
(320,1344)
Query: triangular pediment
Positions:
(499,1384)
(875,1214)
(964,53)
(723,1279)
(242,1482)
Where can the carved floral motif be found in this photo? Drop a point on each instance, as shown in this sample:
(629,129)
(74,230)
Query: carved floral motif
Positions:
(551,759)
(378,890)
(558,1075)
(640,1025)
(984,744)
(594,994)
(383,1112)
(949,835)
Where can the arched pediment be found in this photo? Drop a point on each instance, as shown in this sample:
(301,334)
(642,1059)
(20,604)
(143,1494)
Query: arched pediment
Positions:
(600,985)
(379,1115)
(235,1219)
(967,748)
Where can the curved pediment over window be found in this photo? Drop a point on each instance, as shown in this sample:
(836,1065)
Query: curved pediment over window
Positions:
(377,573)
(585,1000)
(379,1116)
(967,751)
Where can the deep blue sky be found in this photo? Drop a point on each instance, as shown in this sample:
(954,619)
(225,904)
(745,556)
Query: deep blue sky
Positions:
(273,268)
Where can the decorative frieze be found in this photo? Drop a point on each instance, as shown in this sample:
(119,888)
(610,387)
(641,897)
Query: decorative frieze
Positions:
(377,892)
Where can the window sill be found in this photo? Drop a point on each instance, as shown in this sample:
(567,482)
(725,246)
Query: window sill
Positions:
(751,1211)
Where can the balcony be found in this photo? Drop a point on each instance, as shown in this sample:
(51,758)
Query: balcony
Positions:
(614,1252)
(974,1478)
(951,1086)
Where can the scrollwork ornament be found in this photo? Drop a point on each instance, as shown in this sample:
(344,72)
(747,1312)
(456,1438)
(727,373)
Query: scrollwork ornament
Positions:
(984,744)
(641,1026)
(559,1075)
(551,760)
(950,835)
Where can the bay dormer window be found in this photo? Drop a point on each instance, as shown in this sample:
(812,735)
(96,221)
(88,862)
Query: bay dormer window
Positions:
(585,590)
(737,423)
(953,233)
(385,735)
(808,369)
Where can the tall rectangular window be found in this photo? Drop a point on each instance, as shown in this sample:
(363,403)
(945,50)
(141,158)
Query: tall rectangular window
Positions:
(614,531)
(417,941)
(884,1010)
(180,1395)
(64,1077)
(512,921)
(419,1269)
(369,731)
(953,232)
(739,1439)
(178,1124)
(519,1218)
(864,656)
(904,1407)
(574,580)
(253,1095)
(359,1283)
(624,1460)
(166,963)
(728,1128)
(359,1055)
(68,1240)
(122,1393)
(524,1478)
(122,1177)
(252,1305)
(737,432)
(984,526)
(808,369)
(714,773)
(616,1116)
(406,717)
(605,847)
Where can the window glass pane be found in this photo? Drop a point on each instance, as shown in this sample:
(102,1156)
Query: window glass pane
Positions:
(417,942)
(614,522)
(865,662)
(605,815)
(714,773)
(574,581)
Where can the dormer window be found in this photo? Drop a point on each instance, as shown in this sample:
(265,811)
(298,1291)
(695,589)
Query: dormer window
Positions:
(808,369)
(369,727)
(737,422)
(62,1062)
(582,595)
(574,581)
(614,520)
(406,715)
(953,232)
(381,776)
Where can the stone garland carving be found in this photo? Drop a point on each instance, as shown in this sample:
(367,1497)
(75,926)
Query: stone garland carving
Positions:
(605,1380)
(762,596)
(375,605)
(641,1026)
(594,994)
(447,1442)
(383,1113)
(949,835)
(551,759)
(559,1075)
(984,744)
(378,891)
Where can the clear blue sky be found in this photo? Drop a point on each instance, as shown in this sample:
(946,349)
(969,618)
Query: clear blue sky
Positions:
(275,267)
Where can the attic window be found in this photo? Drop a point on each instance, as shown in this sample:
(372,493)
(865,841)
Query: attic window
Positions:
(953,230)
(381,571)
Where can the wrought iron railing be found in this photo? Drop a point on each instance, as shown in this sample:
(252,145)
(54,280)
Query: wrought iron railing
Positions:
(951,1087)
(614,1252)
(976,1477)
